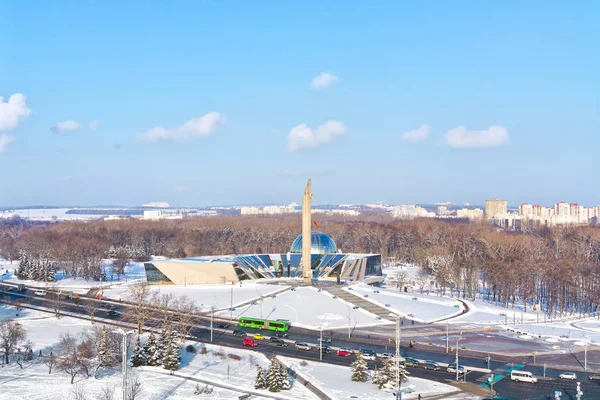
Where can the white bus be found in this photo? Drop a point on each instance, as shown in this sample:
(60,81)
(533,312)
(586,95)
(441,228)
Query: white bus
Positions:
(523,376)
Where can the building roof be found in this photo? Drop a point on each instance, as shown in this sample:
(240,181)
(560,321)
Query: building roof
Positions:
(320,243)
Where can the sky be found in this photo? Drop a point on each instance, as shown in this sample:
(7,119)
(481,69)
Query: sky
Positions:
(240,102)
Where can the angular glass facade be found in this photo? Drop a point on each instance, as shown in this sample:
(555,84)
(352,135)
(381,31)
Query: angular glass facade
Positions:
(320,243)
(154,275)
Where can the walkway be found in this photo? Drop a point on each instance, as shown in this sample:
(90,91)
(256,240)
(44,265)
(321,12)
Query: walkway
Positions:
(361,302)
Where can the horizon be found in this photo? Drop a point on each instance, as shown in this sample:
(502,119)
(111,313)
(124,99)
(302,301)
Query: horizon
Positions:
(237,103)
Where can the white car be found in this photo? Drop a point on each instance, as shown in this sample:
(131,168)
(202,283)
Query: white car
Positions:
(568,375)
(40,292)
(303,346)
(347,349)
(387,356)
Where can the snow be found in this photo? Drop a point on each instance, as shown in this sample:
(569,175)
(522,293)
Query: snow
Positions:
(50,214)
(426,308)
(43,330)
(483,312)
(335,381)
(309,308)
(557,331)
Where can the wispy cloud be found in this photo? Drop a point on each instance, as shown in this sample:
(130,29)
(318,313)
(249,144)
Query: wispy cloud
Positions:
(13,111)
(66,127)
(5,141)
(461,137)
(93,125)
(303,137)
(181,189)
(323,80)
(197,127)
(418,134)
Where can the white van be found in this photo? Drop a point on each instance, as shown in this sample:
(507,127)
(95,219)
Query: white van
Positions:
(523,376)
(40,292)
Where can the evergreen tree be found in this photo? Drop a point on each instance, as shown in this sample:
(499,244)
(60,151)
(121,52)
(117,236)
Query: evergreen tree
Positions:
(284,378)
(171,356)
(359,369)
(261,382)
(23,266)
(51,274)
(151,351)
(138,358)
(162,344)
(385,377)
(273,379)
(106,354)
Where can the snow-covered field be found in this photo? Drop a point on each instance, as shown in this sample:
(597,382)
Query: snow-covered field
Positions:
(306,307)
(557,332)
(335,381)
(482,312)
(420,307)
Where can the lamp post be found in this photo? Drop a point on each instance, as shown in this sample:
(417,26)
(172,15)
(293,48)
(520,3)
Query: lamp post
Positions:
(585,351)
(457,339)
(398,393)
(124,360)
(321,343)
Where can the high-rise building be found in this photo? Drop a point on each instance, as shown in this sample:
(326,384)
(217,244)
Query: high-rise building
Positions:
(495,207)
(525,210)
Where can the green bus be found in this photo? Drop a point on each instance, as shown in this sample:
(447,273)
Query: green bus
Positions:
(278,326)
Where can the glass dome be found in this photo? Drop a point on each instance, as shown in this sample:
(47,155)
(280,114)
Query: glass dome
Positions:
(319,243)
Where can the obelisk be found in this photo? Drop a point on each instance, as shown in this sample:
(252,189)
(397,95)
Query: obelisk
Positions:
(306,233)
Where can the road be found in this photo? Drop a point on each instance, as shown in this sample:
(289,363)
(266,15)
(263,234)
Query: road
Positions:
(201,332)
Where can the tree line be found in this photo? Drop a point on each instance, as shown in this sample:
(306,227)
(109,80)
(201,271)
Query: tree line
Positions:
(555,269)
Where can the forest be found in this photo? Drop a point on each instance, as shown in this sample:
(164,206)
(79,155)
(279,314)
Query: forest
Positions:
(555,269)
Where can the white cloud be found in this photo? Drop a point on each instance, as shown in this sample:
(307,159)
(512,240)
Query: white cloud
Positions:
(64,128)
(5,140)
(302,136)
(460,137)
(418,134)
(13,111)
(181,189)
(93,125)
(323,80)
(201,126)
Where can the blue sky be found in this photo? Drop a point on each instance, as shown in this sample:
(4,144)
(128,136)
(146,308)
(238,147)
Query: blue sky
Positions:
(239,102)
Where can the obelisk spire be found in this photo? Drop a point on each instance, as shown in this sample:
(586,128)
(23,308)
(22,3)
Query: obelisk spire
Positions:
(306,233)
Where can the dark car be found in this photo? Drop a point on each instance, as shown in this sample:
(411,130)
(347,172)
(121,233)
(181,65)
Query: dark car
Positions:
(595,377)
(281,335)
(326,340)
(114,313)
(326,349)
(237,332)
(223,325)
(411,362)
(431,365)
(278,342)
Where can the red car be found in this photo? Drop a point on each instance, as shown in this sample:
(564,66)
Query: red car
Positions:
(249,342)
(343,353)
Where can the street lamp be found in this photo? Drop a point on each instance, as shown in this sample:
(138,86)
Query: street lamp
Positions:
(457,339)
(124,361)
(398,393)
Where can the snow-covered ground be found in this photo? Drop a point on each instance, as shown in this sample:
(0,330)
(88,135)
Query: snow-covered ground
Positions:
(307,307)
(556,332)
(483,312)
(335,381)
(51,214)
(420,307)
(34,382)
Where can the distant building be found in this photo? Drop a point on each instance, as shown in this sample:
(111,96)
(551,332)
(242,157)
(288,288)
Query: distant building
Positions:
(410,211)
(160,214)
(472,214)
(495,207)
(249,210)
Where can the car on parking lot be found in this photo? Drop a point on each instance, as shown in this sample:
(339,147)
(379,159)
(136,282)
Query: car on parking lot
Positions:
(411,362)
(431,365)
(278,341)
(249,342)
(258,336)
(344,353)
(237,332)
(368,354)
(568,375)
(303,346)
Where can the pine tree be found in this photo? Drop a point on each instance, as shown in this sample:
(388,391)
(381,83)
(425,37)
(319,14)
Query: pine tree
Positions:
(51,272)
(386,375)
(106,355)
(172,356)
(273,381)
(151,351)
(138,358)
(284,378)
(162,344)
(359,369)
(261,382)
(23,265)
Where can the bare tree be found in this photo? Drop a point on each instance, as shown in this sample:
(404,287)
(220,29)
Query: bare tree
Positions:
(76,356)
(91,306)
(107,392)
(11,335)
(140,311)
(162,305)
(134,387)
(78,392)
(50,361)
(56,299)
(188,316)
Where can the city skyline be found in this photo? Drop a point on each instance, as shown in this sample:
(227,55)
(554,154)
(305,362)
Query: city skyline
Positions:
(208,104)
